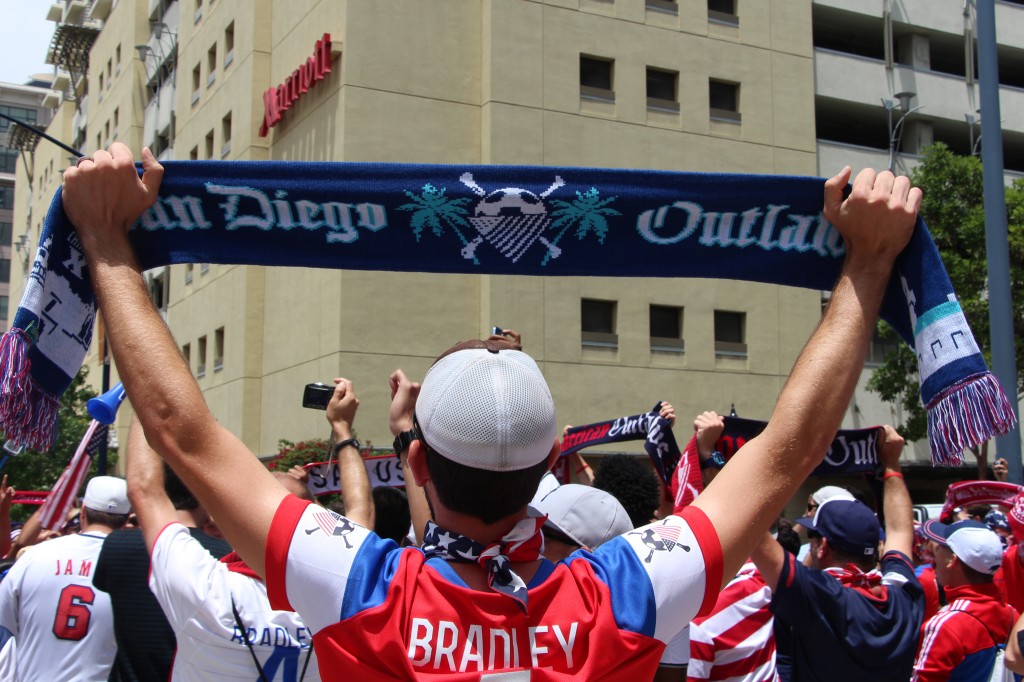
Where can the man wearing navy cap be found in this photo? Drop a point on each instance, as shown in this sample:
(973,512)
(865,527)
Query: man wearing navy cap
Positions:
(850,621)
(959,642)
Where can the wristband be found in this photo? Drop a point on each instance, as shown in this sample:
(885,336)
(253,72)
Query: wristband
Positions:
(892,474)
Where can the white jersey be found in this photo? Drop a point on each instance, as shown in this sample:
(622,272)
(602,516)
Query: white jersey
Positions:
(64,626)
(196,592)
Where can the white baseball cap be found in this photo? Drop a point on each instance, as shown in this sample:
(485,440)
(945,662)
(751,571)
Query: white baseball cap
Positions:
(971,541)
(829,492)
(107,494)
(588,516)
(487,406)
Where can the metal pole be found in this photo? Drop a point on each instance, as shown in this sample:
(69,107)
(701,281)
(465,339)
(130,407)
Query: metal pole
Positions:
(101,465)
(1000,306)
(43,135)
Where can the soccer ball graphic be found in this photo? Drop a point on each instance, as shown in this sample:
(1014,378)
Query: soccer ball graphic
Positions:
(512,202)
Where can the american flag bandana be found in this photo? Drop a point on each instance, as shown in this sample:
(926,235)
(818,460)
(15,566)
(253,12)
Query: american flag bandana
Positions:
(524,542)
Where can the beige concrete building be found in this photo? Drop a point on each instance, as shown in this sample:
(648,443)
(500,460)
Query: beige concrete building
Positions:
(713,85)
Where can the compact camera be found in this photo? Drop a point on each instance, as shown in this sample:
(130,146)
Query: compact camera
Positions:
(316,396)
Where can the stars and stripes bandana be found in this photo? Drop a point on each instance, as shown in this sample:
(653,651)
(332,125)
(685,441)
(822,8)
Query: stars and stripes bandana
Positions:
(524,542)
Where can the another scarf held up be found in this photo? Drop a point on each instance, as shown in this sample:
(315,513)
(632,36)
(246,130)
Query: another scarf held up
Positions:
(852,451)
(505,220)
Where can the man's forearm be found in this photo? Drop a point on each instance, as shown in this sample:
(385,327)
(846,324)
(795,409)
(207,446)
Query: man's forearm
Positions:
(355,485)
(899,513)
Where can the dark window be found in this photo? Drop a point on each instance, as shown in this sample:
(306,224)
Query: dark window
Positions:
(730,333)
(880,347)
(5,269)
(20,113)
(596,77)
(724,99)
(723,11)
(6,197)
(201,360)
(6,230)
(8,160)
(597,322)
(218,350)
(3,310)
(666,327)
(662,87)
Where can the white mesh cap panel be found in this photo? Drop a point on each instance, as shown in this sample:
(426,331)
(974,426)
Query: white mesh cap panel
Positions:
(487,410)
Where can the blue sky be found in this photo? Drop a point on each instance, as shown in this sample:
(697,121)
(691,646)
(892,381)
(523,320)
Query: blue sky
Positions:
(24,38)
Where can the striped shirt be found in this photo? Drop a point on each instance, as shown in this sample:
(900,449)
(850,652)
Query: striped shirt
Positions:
(735,641)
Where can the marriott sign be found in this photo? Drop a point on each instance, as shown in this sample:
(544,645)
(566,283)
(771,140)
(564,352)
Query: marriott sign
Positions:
(279,99)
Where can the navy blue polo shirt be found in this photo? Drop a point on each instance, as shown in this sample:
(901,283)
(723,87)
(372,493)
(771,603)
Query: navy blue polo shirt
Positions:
(841,633)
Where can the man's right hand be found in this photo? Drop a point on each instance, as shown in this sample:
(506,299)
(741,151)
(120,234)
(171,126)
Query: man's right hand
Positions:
(103,194)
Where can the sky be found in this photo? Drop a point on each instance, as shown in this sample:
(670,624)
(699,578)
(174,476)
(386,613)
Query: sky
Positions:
(24,38)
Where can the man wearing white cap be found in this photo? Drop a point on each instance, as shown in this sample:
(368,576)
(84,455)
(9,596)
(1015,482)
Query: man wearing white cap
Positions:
(959,642)
(477,600)
(63,625)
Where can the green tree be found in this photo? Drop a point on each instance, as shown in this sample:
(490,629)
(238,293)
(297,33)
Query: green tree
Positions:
(954,211)
(33,470)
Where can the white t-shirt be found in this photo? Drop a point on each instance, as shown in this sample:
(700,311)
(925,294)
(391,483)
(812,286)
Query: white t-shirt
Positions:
(64,626)
(196,592)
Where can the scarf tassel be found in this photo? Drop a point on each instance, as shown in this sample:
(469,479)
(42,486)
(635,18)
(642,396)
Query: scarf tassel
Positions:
(25,409)
(967,414)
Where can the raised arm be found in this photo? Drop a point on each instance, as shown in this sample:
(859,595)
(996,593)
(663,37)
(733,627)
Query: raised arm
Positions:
(355,482)
(896,503)
(145,478)
(403,403)
(876,222)
(103,196)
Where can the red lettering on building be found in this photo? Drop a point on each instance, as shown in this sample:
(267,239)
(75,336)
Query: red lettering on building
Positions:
(279,99)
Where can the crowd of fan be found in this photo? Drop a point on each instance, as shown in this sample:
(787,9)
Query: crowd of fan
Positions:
(931,601)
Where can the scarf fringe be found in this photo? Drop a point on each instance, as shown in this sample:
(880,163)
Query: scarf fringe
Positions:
(28,414)
(967,414)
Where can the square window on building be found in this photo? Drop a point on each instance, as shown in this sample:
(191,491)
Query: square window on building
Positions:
(723,11)
(662,90)
(724,98)
(5,270)
(218,350)
(194,153)
(597,323)
(6,197)
(159,291)
(596,78)
(199,11)
(209,145)
(8,160)
(730,333)
(186,352)
(6,232)
(229,44)
(225,135)
(666,326)
(201,360)
(189,268)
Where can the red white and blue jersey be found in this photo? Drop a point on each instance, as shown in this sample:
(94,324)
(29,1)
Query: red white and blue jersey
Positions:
(64,625)
(384,613)
(196,593)
(736,641)
(959,642)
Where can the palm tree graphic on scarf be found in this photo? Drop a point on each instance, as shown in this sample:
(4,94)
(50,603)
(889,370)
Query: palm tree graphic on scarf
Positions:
(511,218)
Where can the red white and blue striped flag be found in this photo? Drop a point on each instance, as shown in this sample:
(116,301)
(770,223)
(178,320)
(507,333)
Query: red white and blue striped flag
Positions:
(55,510)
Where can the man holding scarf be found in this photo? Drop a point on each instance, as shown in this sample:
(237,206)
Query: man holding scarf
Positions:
(592,615)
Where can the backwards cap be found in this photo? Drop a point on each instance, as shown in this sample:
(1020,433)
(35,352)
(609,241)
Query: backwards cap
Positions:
(589,516)
(487,406)
(107,494)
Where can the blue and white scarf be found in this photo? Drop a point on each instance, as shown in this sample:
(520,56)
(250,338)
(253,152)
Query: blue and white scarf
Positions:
(508,220)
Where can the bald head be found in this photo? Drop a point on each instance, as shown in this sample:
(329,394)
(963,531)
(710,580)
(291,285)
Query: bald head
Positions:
(292,485)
